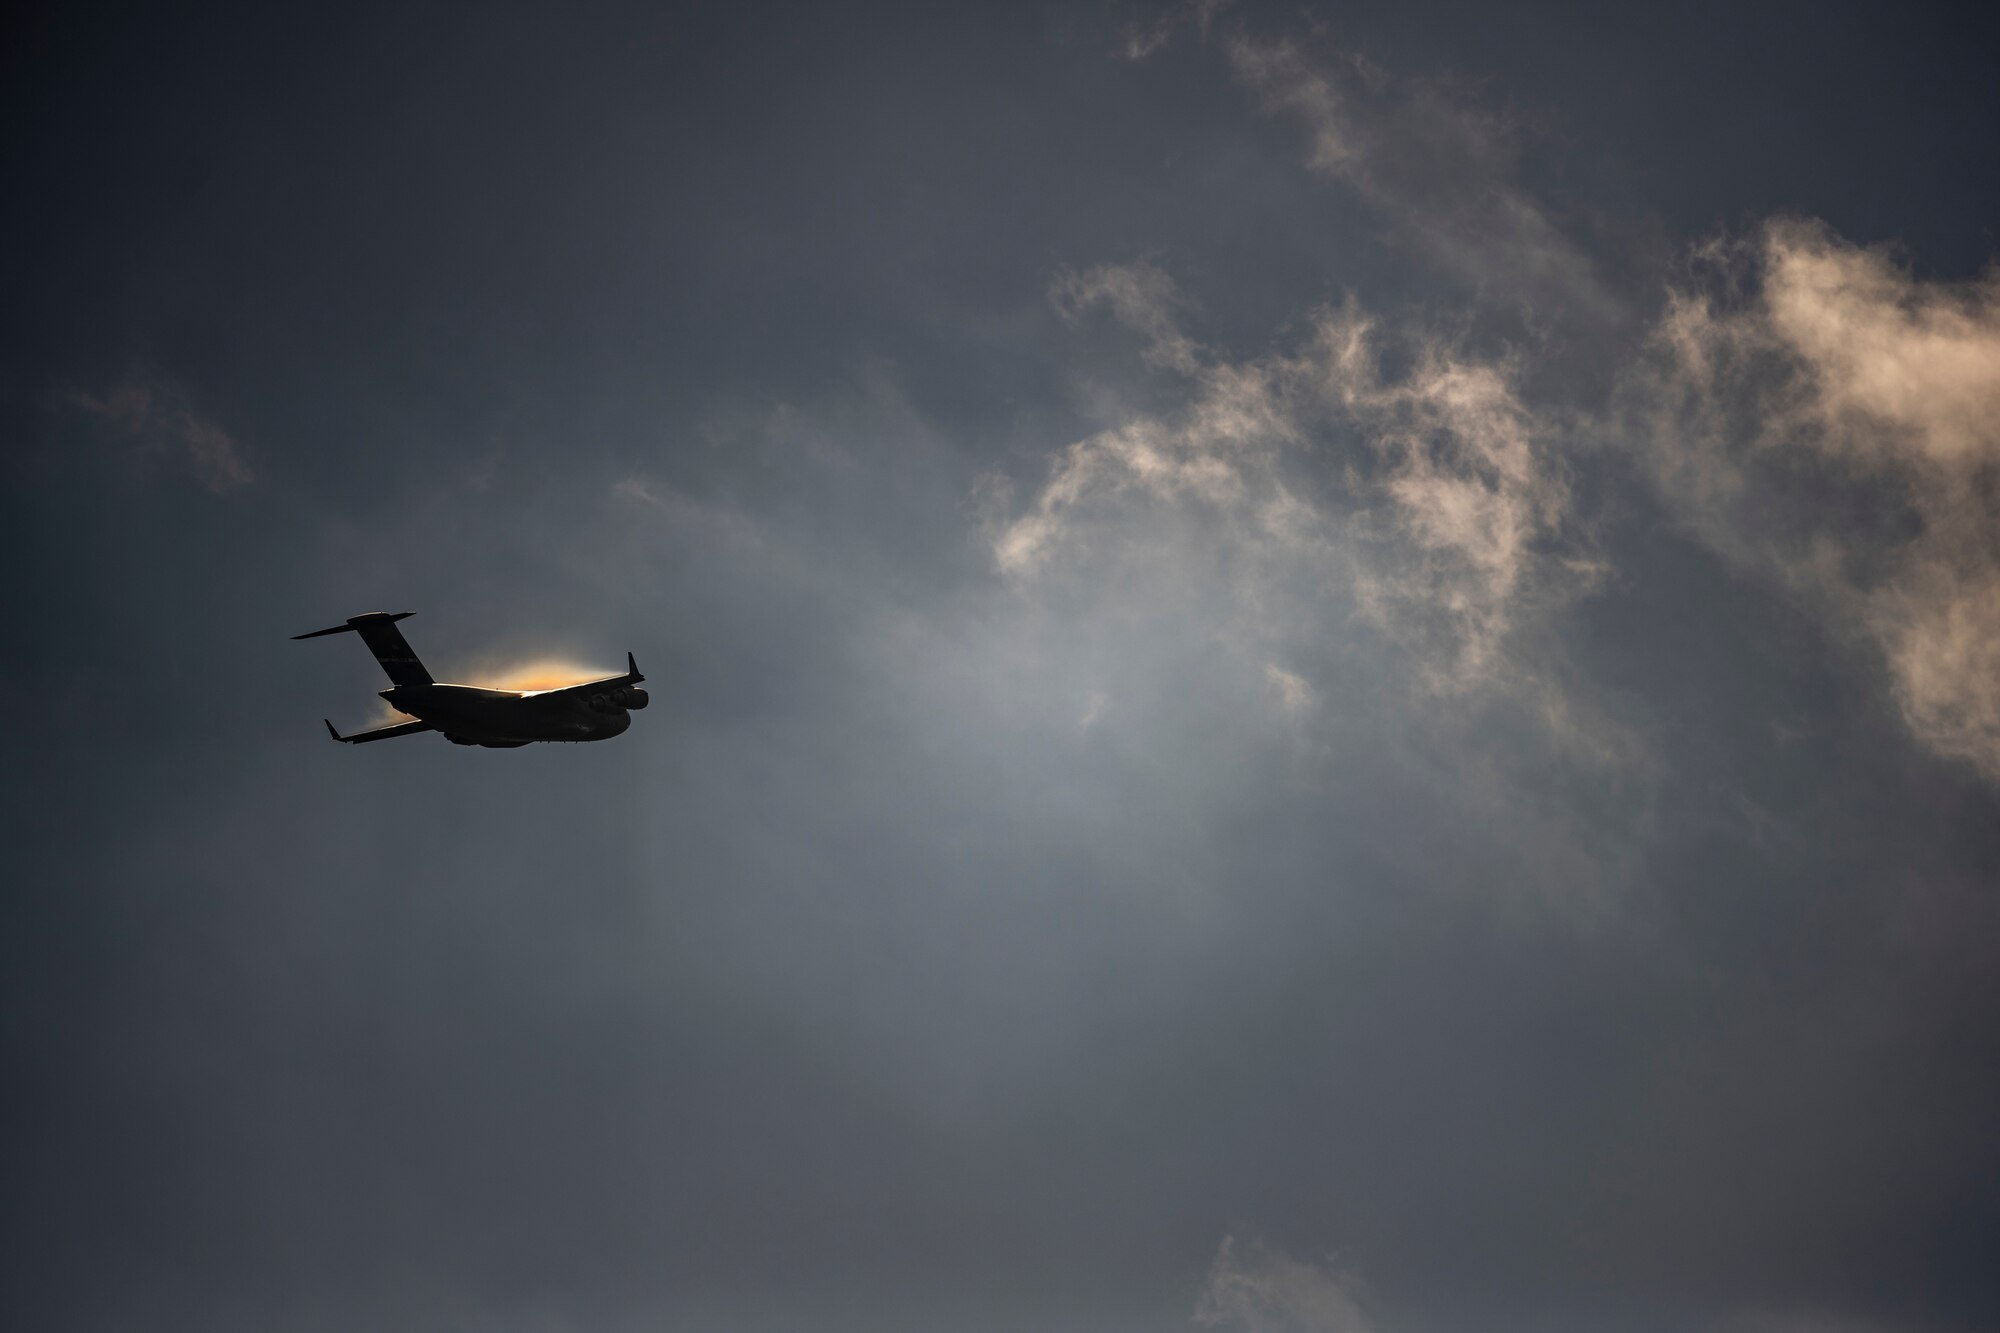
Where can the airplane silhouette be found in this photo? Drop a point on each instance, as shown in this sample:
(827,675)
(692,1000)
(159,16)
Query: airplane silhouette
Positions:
(593,710)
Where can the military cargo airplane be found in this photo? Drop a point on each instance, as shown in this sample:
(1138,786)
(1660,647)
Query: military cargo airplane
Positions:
(593,710)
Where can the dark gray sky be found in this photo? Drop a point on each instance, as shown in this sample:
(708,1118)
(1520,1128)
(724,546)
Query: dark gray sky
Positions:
(1331,670)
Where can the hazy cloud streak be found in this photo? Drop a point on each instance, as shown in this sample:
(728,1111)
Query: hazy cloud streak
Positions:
(1822,415)
(1443,525)
(1437,167)
(1255,1289)
(159,417)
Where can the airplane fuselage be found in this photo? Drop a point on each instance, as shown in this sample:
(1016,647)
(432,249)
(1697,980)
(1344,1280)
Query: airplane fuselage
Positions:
(590,710)
(473,715)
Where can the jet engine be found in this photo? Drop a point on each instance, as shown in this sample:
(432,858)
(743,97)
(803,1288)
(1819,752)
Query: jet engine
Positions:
(628,696)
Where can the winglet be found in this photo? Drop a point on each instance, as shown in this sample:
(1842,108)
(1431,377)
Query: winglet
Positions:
(632,667)
(331,732)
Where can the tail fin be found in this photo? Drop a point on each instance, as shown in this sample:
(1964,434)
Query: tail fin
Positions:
(378,630)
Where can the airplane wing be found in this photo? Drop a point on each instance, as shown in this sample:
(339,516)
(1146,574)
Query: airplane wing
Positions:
(631,677)
(380,733)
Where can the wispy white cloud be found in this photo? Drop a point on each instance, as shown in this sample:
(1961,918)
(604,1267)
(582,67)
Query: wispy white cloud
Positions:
(1256,1289)
(1446,522)
(1473,493)
(159,417)
(1822,415)
(213,453)
(1142,297)
(1141,40)
(1439,167)
(1294,695)
(128,405)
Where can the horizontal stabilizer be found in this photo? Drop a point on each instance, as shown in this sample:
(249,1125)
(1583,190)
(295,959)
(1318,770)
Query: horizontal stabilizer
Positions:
(378,630)
(378,617)
(380,733)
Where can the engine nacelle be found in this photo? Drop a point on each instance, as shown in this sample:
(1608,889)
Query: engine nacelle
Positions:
(634,697)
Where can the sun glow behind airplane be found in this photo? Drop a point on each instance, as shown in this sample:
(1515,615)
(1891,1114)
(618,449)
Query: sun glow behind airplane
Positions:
(546,673)
(542,673)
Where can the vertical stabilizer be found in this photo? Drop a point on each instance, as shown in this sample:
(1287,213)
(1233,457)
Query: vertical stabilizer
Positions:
(378,630)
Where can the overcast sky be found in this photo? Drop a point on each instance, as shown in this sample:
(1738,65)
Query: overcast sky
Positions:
(1315,670)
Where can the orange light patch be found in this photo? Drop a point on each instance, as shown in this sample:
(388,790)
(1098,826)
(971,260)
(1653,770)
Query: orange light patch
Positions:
(545,674)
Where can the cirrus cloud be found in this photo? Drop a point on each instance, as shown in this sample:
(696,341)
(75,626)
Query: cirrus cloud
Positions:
(1824,416)
(1432,502)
